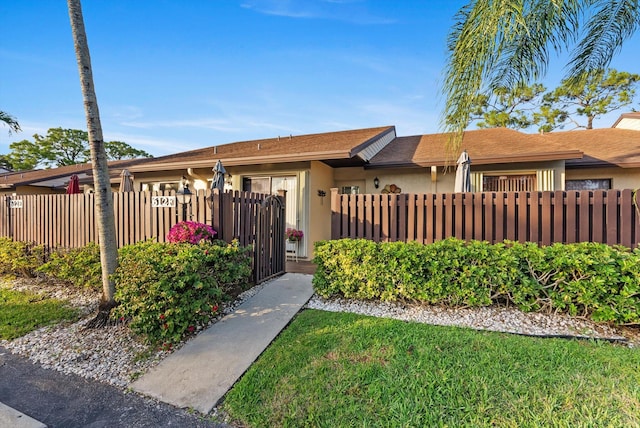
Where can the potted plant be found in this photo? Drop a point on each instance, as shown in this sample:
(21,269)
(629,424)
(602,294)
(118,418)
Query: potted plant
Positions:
(293,234)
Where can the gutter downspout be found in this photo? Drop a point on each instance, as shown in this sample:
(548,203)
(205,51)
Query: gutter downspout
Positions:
(434,179)
(198,176)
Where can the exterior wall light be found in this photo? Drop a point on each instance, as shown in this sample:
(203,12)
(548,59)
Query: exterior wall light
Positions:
(376,182)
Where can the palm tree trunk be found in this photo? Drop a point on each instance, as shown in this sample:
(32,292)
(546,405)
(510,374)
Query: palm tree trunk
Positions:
(103,199)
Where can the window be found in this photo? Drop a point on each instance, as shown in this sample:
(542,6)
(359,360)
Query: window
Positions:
(160,186)
(270,186)
(257,185)
(509,183)
(353,190)
(588,184)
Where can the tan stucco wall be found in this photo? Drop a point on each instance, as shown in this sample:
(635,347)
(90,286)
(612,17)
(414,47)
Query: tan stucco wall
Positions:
(410,180)
(33,190)
(321,177)
(628,178)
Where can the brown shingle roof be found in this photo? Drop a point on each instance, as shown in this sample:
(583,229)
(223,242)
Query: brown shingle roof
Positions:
(596,147)
(24,178)
(325,147)
(601,147)
(485,146)
(331,146)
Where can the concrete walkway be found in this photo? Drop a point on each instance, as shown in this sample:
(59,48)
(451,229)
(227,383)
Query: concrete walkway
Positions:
(201,372)
(10,417)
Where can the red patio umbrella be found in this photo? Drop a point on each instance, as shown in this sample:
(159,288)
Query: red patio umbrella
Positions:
(73,186)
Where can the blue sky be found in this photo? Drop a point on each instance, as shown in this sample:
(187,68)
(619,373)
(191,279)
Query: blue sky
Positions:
(173,75)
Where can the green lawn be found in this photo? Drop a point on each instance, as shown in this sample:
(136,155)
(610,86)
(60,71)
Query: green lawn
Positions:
(333,369)
(22,312)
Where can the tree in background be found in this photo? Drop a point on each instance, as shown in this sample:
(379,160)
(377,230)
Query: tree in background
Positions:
(118,150)
(24,156)
(62,147)
(506,43)
(596,94)
(10,121)
(599,93)
(508,108)
(103,199)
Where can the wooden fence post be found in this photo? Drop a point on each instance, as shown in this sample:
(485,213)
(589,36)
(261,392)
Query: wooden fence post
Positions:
(336,219)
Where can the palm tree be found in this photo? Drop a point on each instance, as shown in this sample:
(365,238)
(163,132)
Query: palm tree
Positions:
(504,43)
(103,199)
(10,121)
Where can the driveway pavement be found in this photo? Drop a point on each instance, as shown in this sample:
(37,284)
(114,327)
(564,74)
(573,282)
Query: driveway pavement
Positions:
(59,400)
(196,376)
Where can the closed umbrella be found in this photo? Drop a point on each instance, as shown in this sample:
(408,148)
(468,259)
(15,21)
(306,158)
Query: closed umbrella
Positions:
(74,185)
(463,173)
(126,181)
(218,177)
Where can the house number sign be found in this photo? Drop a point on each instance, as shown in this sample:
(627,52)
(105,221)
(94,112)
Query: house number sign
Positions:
(163,201)
(15,203)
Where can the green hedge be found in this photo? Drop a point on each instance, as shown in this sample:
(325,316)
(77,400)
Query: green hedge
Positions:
(20,258)
(586,279)
(169,290)
(165,290)
(78,266)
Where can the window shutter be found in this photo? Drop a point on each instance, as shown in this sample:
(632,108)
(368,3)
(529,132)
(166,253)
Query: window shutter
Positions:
(476,182)
(546,179)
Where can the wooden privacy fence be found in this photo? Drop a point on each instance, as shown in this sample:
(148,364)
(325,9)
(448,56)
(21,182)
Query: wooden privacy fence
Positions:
(542,217)
(69,221)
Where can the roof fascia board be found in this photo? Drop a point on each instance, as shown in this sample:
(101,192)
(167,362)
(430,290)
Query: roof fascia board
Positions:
(367,150)
(533,157)
(280,158)
(537,157)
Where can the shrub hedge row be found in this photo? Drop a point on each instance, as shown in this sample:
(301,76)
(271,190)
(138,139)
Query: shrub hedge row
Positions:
(165,290)
(78,266)
(20,258)
(585,279)
(169,290)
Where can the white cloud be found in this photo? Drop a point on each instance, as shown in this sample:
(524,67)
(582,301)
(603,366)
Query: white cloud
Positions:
(353,11)
(214,124)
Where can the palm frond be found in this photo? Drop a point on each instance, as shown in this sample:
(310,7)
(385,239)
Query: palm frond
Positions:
(610,23)
(10,121)
(504,43)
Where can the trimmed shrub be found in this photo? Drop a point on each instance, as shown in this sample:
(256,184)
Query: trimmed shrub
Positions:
(20,258)
(585,279)
(168,291)
(78,266)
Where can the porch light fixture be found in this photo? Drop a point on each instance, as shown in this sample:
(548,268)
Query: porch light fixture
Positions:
(184,194)
(376,182)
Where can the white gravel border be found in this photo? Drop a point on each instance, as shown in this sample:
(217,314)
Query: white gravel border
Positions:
(115,356)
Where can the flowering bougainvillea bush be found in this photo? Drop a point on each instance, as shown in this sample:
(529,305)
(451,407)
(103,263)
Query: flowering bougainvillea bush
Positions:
(293,234)
(191,232)
(167,291)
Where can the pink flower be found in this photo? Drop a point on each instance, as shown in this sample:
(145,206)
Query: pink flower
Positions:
(191,329)
(191,231)
(293,234)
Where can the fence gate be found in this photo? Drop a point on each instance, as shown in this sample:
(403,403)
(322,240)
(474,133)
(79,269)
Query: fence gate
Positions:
(269,250)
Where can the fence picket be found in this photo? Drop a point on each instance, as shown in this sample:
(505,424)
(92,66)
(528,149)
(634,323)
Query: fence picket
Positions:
(541,217)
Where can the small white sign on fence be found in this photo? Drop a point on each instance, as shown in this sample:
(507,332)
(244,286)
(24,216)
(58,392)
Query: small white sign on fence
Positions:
(15,203)
(163,201)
